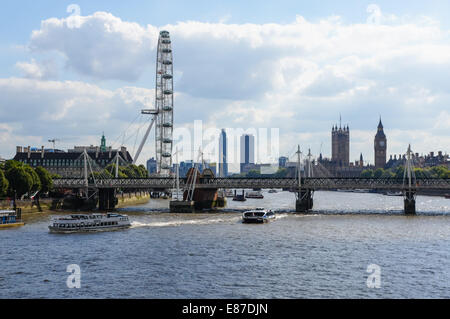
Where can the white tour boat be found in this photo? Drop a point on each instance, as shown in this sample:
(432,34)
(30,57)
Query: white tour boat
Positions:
(257,215)
(76,223)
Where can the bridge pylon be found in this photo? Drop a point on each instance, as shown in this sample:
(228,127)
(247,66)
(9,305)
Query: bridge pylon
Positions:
(409,190)
(304,196)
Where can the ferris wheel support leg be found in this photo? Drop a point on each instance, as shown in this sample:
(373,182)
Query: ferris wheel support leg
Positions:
(144,140)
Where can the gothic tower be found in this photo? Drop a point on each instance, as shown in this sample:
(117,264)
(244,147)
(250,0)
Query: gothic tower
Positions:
(380,145)
(340,145)
(103,143)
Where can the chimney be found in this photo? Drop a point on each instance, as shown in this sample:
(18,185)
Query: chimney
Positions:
(42,151)
(110,151)
(29,151)
(19,149)
(96,151)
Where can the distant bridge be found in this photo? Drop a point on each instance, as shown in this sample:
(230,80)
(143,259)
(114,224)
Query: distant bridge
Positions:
(311,183)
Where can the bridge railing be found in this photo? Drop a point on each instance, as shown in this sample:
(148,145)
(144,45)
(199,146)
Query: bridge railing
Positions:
(243,182)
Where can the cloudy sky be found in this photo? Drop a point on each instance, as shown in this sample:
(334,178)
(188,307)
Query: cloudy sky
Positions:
(293,65)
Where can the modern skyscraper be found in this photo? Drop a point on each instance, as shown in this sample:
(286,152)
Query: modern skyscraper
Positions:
(380,145)
(247,150)
(151,166)
(223,165)
(282,161)
(340,145)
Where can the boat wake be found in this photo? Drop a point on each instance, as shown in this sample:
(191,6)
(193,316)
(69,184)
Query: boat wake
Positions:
(176,223)
(281,216)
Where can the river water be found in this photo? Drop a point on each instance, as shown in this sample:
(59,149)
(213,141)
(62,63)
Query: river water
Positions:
(324,254)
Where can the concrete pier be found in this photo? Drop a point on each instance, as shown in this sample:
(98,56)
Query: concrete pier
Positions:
(107,199)
(410,203)
(304,202)
(182,206)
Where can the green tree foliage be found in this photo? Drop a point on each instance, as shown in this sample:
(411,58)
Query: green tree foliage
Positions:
(45,178)
(378,173)
(55,176)
(129,171)
(387,174)
(367,173)
(398,172)
(4,184)
(20,181)
(22,178)
(36,184)
(143,170)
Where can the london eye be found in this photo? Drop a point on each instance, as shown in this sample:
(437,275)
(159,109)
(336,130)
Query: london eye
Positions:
(163,110)
(164,104)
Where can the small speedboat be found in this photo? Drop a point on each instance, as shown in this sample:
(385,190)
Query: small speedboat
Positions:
(273,191)
(258,215)
(80,223)
(447,196)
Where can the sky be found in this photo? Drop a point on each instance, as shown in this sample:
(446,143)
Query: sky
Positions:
(296,66)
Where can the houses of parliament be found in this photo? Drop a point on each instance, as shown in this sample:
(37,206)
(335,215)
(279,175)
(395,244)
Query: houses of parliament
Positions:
(339,165)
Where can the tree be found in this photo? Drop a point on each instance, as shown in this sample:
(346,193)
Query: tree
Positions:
(143,170)
(55,176)
(36,185)
(20,182)
(45,178)
(367,173)
(399,172)
(378,173)
(388,174)
(4,184)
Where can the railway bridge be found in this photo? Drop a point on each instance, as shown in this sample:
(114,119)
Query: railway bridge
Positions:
(303,187)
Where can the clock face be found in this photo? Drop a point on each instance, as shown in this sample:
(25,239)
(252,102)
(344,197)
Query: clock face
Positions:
(381,143)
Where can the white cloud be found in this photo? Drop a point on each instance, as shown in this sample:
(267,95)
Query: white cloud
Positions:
(38,70)
(297,77)
(101,45)
(73,112)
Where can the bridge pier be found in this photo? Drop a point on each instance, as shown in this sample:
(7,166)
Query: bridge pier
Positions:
(176,206)
(107,199)
(410,202)
(304,201)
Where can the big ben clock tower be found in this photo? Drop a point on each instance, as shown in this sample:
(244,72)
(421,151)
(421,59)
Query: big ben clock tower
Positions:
(380,147)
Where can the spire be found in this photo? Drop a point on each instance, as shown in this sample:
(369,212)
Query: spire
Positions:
(380,125)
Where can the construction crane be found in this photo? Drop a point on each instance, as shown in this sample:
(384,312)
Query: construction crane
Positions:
(54,142)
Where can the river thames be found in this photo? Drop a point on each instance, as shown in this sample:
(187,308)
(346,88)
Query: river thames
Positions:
(323,254)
